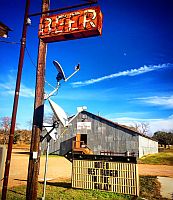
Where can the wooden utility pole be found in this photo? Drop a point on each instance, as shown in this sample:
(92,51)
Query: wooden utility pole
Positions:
(33,168)
(15,103)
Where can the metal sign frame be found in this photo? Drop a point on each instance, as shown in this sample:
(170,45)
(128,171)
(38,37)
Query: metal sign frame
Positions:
(71,25)
(108,173)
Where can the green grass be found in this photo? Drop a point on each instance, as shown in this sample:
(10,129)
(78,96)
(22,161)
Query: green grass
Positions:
(149,188)
(162,158)
(63,191)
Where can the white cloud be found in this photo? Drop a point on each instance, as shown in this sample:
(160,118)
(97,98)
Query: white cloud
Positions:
(156,124)
(26,92)
(8,88)
(132,72)
(162,124)
(166,101)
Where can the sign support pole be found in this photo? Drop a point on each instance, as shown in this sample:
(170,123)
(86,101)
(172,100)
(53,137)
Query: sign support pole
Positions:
(46,167)
(34,159)
(15,103)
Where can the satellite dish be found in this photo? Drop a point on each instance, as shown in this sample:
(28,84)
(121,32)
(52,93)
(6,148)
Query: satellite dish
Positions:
(61,115)
(59,112)
(61,74)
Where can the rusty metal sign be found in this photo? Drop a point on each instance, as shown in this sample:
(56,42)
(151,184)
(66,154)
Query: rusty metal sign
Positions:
(71,25)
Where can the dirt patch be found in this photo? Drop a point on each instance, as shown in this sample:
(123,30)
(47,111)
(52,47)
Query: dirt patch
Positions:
(155,170)
(60,169)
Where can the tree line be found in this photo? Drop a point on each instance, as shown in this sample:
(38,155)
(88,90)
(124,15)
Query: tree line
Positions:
(163,137)
(20,136)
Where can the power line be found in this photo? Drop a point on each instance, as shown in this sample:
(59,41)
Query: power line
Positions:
(29,55)
(31,58)
(9,42)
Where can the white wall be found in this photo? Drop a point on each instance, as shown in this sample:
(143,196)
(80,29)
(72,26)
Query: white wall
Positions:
(147,146)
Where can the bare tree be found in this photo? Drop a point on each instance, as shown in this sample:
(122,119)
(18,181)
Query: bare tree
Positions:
(5,123)
(141,127)
(144,128)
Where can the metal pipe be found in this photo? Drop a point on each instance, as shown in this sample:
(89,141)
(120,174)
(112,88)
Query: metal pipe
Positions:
(45,171)
(71,75)
(15,103)
(46,96)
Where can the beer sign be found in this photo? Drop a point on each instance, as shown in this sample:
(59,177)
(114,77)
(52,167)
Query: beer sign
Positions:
(71,25)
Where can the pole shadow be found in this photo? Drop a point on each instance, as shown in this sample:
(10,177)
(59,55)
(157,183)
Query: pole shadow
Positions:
(58,184)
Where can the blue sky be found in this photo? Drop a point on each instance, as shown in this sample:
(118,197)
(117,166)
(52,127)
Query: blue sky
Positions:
(126,74)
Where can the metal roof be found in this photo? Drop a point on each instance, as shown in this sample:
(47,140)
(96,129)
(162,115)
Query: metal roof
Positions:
(117,124)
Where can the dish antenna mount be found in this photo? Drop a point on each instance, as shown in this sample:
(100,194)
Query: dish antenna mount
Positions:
(61,76)
(52,132)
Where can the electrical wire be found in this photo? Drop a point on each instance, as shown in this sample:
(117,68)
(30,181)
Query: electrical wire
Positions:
(9,42)
(29,55)
(31,60)
(49,84)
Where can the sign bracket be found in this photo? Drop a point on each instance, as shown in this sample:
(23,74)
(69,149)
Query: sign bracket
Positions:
(62,9)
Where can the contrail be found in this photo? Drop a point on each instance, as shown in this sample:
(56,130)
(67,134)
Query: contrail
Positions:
(132,72)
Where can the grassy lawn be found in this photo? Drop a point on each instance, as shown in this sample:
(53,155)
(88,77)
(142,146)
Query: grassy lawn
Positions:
(162,158)
(149,188)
